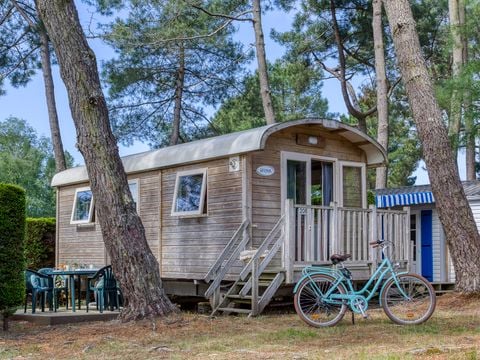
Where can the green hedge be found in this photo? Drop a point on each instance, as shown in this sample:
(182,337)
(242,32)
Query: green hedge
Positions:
(12,233)
(40,243)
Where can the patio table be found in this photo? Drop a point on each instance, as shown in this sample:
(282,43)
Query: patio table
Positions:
(71,275)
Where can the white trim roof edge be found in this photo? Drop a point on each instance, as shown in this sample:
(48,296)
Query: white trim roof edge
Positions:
(220,146)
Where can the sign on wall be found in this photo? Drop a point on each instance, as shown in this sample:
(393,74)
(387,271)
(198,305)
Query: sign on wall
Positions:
(265,170)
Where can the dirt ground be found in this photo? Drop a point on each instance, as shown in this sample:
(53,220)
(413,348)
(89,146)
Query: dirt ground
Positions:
(452,333)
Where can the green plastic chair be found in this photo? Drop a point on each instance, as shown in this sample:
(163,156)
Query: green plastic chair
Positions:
(59,284)
(104,285)
(38,284)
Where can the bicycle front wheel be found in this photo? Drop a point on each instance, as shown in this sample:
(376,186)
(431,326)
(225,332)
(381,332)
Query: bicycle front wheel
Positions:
(411,301)
(315,309)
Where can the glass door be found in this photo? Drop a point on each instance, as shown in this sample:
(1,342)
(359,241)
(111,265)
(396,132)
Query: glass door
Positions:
(321,182)
(309,180)
(297,181)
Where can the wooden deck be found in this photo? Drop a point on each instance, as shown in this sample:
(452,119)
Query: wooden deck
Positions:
(64,316)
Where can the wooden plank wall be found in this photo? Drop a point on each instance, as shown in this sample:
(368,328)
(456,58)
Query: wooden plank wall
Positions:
(80,243)
(266,191)
(83,243)
(191,245)
(149,207)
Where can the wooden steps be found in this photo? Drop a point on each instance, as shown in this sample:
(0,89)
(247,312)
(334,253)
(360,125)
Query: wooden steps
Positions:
(252,301)
(256,283)
(235,310)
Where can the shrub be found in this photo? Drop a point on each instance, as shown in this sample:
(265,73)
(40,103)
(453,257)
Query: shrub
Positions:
(40,243)
(12,233)
(370,197)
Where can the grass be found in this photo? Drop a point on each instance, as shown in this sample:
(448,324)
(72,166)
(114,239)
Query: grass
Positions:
(452,333)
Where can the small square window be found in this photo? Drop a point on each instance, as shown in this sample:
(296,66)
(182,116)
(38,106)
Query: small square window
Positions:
(82,206)
(190,193)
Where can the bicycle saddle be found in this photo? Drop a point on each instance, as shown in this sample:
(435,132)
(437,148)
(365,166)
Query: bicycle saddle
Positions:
(336,258)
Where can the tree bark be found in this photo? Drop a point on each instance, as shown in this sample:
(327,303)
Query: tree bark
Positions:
(454,211)
(178,96)
(132,261)
(470,137)
(262,64)
(455,118)
(60,163)
(382,89)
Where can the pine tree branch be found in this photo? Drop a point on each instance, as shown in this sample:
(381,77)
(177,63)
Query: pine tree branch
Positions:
(132,106)
(392,88)
(21,61)
(356,57)
(7,15)
(163,41)
(233,18)
(196,112)
(23,13)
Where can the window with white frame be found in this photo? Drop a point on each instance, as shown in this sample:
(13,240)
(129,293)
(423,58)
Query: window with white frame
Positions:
(190,193)
(133,185)
(82,206)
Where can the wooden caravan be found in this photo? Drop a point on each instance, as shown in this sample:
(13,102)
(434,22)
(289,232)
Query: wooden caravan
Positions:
(281,196)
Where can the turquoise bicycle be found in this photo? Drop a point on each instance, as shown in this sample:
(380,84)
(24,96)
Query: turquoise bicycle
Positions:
(323,294)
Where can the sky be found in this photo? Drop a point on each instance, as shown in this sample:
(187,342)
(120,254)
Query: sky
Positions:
(28,102)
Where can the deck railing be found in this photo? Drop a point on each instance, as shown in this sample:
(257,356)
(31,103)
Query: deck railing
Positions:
(313,233)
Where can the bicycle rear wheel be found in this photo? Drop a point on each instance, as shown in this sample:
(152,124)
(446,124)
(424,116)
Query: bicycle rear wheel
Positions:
(312,308)
(414,308)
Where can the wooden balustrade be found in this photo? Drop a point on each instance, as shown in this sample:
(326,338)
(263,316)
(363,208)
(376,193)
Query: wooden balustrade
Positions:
(319,231)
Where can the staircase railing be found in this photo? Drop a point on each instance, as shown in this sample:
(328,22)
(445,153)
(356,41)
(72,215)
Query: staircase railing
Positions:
(258,263)
(227,258)
(263,251)
(256,266)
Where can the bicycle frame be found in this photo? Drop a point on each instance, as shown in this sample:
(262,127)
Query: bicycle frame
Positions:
(341,280)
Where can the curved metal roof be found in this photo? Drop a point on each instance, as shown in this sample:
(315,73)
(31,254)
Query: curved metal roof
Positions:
(225,145)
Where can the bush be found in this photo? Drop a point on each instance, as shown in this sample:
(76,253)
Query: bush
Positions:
(40,243)
(12,233)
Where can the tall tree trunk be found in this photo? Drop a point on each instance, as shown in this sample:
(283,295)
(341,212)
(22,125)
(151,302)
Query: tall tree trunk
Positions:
(454,211)
(457,62)
(123,233)
(382,89)
(470,138)
(177,112)
(59,154)
(467,105)
(262,64)
(60,163)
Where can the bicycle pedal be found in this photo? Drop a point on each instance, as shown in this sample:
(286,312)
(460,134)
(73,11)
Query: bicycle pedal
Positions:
(365,316)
